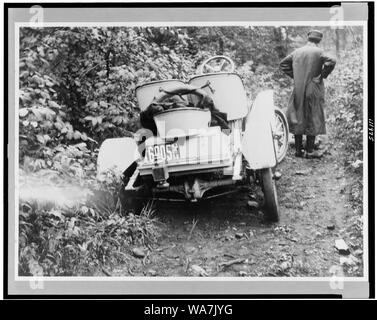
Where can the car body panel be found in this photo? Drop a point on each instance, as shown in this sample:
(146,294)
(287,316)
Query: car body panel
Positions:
(257,141)
(116,154)
(227,92)
(182,122)
(207,149)
(146,92)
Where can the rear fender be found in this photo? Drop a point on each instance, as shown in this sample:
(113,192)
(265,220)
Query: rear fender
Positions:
(117,154)
(257,141)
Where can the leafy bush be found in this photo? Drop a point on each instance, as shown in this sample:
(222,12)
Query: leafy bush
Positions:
(80,240)
(345,108)
(345,103)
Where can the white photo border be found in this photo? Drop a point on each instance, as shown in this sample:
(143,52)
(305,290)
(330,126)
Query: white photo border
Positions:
(14,245)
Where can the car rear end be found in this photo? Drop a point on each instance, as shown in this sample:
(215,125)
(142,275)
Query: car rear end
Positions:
(187,164)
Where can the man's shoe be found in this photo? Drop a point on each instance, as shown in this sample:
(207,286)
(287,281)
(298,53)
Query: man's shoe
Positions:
(298,146)
(314,155)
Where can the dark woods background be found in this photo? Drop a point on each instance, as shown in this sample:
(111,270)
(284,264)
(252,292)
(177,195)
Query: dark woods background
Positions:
(77,88)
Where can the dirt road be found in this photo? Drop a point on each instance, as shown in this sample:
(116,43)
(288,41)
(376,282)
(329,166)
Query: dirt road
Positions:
(225,237)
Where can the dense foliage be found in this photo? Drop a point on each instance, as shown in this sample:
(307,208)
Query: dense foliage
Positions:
(77,88)
(83,240)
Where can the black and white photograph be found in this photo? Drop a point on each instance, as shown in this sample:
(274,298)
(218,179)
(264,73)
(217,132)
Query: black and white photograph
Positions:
(190,150)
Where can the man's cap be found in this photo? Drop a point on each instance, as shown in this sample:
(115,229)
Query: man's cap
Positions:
(315,35)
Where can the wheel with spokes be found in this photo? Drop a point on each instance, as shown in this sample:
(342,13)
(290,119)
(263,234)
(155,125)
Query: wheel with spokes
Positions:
(217,64)
(281,134)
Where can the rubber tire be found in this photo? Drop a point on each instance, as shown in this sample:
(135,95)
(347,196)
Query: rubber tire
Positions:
(127,198)
(270,195)
(129,202)
(281,114)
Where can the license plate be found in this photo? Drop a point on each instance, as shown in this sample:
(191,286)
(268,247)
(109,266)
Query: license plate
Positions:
(162,152)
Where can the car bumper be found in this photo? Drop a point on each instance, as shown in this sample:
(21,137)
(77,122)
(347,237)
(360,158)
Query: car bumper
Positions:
(184,168)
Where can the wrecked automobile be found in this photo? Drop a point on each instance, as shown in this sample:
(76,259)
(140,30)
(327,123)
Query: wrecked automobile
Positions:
(200,140)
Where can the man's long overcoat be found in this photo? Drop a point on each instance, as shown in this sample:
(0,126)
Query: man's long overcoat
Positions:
(308,66)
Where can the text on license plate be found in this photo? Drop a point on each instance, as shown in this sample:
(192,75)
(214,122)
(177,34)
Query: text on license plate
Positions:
(162,152)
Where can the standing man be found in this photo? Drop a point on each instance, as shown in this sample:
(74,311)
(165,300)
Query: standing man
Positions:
(308,66)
